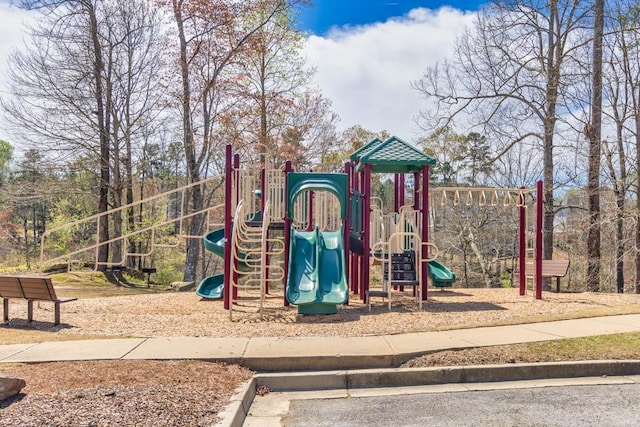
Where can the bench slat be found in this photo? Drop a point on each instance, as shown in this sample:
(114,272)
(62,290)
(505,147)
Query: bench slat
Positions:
(37,288)
(10,287)
(550,268)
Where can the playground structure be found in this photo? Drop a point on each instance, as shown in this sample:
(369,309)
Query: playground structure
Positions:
(327,244)
(320,234)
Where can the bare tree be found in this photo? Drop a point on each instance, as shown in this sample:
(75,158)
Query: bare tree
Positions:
(618,91)
(134,41)
(59,92)
(593,133)
(506,75)
(210,35)
(627,16)
(83,87)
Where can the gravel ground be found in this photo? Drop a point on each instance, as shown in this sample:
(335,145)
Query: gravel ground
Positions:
(185,393)
(120,393)
(186,314)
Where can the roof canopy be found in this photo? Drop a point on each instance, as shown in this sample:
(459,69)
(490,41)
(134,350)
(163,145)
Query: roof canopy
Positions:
(391,156)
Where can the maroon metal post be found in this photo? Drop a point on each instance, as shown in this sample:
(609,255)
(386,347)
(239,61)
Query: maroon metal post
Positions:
(355,266)
(539,212)
(366,237)
(416,203)
(416,191)
(522,244)
(228,225)
(425,230)
(401,194)
(311,225)
(287,230)
(396,197)
(236,172)
(263,187)
(401,198)
(263,197)
(346,227)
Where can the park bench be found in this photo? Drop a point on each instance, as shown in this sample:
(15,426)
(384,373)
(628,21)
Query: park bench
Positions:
(31,288)
(551,268)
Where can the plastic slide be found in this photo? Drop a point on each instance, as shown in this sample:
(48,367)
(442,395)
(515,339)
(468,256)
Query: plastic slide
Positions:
(440,275)
(317,282)
(211,287)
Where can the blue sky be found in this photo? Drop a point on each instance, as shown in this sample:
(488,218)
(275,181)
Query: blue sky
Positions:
(324,14)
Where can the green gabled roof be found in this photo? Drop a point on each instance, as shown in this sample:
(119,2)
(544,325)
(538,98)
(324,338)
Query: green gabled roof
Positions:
(366,148)
(394,156)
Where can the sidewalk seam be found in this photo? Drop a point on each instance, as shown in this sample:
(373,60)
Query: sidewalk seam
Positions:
(144,340)
(20,351)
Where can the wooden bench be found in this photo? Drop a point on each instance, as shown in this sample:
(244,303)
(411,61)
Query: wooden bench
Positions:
(31,288)
(557,268)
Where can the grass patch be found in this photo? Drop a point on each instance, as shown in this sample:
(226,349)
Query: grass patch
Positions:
(616,346)
(550,317)
(604,347)
(22,336)
(94,284)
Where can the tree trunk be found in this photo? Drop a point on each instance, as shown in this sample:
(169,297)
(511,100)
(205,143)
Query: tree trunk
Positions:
(193,245)
(637,230)
(594,133)
(103,122)
(470,240)
(554,55)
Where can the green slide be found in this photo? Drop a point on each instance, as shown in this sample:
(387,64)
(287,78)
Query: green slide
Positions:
(317,281)
(211,287)
(441,276)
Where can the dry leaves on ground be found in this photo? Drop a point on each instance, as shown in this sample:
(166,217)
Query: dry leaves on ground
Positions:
(120,393)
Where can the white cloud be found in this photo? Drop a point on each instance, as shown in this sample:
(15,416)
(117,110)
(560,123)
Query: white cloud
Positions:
(366,70)
(12,35)
(12,29)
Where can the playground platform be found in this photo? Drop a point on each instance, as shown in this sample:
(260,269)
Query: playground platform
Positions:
(314,353)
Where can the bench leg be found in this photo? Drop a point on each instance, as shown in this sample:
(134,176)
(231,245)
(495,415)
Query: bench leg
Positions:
(5,303)
(57,318)
(557,285)
(30,311)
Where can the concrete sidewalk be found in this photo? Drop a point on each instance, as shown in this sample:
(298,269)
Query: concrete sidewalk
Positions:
(315,353)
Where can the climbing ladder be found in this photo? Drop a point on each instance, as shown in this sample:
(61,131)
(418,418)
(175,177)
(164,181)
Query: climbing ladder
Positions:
(252,252)
(401,258)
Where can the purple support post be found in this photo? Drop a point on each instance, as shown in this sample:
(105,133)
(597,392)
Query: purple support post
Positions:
(425,230)
(539,212)
(355,266)
(401,198)
(263,187)
(416,201)
(366,237)
(346,227)
(263,197)
(236,171)
(310,226)
(401,195)
(287,230)
(522,244)
(228,225)
(396,198)
(416,191)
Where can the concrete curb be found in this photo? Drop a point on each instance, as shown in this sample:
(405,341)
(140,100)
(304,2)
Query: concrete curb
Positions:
(236,412)
(369,378)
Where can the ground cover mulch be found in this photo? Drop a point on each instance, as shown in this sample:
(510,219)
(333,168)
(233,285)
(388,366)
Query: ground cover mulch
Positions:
(186,393)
